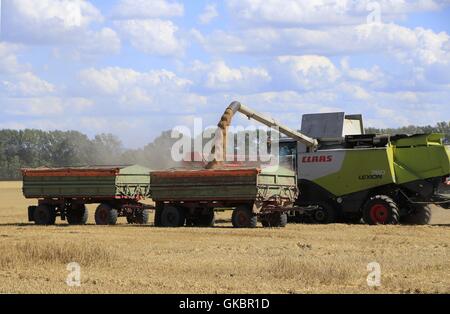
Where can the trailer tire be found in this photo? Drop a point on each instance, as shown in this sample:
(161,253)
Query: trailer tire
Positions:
(244,218)
(274,220)
(106,215)
(381,210)
(205,220)
(44,215)
(31,210)
(77,215)
(325,214)
(421,215)
(173,217)
(141,217)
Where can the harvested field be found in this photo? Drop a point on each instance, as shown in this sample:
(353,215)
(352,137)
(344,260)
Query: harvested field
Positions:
(144,259)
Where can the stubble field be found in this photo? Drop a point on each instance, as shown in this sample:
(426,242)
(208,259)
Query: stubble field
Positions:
(144,259)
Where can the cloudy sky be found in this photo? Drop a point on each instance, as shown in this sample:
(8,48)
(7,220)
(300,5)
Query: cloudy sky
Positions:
(137,67)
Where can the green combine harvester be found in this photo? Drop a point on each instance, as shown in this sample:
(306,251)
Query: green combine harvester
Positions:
(347,175)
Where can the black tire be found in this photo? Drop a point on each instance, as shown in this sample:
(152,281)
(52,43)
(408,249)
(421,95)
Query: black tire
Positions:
(381,210)
(44,215)
(421,215)
(141,217)
(274,220)
(325,214)
(77,215)
(244,218)
(207,219)
(352,218)
(31,210)
(173,217)
(106,215)
(158,211)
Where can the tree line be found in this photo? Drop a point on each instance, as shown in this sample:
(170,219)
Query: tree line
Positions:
(36,148)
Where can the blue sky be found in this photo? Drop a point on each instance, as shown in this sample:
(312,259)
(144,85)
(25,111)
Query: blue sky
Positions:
(135,68)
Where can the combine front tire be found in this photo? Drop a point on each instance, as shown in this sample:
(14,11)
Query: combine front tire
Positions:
(105,215)
(421,215)
(381,210)
(77,215)
(44,215)
(244,218)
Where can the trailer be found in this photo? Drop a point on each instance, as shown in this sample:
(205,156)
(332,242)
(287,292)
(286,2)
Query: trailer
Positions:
(65,192)
(190,197)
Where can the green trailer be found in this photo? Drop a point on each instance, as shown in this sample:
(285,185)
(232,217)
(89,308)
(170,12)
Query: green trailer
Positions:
(65,192)
(190,197)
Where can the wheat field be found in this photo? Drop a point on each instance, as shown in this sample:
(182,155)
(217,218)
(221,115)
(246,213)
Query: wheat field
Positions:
(144,259)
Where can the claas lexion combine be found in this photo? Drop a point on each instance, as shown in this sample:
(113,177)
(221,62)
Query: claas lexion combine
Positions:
(347,175)
(342,174)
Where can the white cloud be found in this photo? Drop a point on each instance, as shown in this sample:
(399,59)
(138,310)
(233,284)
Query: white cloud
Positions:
(156,37)
(218,76)
(47,21)
(324,12)
(64,24)
(306,72)
(360,74)
(328,41)
(8,59)
(209,14)
(144,9)
(27,84)
(159,90)
(419,48)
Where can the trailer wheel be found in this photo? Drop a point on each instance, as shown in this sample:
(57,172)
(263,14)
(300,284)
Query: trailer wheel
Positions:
(31,210)
(274,220)
(105,215)
(173,217)
(158,211)
(324,214)
(44,215)
(77,215)
(244,218)
(141,217)
(421,215)
(381,210)
(207,219)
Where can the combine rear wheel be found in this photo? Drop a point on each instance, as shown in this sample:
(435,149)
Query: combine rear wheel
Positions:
(381,210)
(421,215)
(106,215)
(44,215)
(244,218)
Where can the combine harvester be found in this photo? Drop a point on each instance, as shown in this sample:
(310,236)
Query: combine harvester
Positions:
(346,175)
